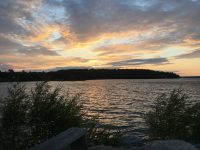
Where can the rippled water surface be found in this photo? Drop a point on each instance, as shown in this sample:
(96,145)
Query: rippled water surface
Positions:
(122,103)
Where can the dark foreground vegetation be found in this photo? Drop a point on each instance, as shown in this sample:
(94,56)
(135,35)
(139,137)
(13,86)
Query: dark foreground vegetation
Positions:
(173,118)
(85,74)
(32,117)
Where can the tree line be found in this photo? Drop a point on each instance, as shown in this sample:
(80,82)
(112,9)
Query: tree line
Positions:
(84,74)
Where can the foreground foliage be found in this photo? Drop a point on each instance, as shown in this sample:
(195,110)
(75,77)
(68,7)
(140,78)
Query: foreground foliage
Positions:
(102,135)
(172,118)
(31,117)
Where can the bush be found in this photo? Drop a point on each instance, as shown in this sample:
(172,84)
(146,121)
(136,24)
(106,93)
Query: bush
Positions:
(102,135)
(51,113)
(194,118)
(171,118)
(29,118)
(14,119)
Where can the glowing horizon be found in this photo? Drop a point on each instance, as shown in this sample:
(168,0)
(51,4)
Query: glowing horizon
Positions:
(46,34)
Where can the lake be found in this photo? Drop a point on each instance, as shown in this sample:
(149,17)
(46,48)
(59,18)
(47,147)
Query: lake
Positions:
(122,103)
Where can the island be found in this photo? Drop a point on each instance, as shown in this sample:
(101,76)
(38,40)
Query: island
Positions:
(84,74)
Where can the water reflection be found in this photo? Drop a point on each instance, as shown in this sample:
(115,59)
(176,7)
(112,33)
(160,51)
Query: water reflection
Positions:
(122,103)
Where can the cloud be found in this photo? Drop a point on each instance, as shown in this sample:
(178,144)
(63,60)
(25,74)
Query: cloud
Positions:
(36,51)
(42,62)
(5,67)
(12,11)
(114,49)
(89,18)
(8,46)
(137,62)
(194,54)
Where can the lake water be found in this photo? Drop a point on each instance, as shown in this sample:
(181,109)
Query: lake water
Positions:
(122,103)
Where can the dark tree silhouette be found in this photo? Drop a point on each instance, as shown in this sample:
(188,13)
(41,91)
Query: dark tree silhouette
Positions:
(11,71)
(85,74)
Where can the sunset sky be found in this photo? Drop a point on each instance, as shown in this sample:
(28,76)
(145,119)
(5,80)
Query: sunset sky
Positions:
(58,34)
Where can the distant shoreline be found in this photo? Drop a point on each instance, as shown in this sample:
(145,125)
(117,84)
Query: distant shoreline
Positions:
(190,77)
(85,74)
(89,80)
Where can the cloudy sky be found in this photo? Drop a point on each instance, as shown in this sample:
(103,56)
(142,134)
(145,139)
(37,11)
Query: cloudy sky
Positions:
(148,34)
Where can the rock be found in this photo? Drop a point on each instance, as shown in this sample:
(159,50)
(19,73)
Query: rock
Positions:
(173,145)
(197,146)
(168,145)
(131,141)
(71,139)
(102,147)
(155,145)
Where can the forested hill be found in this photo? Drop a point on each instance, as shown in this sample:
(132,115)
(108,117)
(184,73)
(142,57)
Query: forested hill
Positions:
(85,74)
